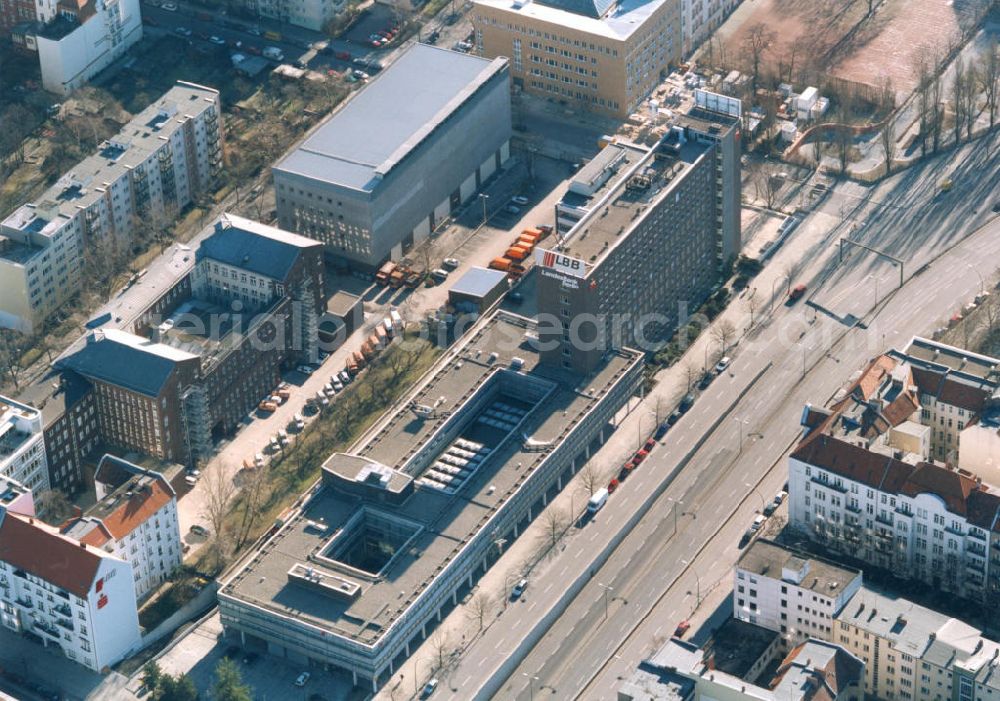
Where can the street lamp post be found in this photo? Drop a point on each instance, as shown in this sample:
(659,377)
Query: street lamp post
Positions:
(676,503)
(982,282)
(416,678)
(606,589)
(759,495)
(531,684)
(483,196)
(740,423)
(776,280)
(697,579)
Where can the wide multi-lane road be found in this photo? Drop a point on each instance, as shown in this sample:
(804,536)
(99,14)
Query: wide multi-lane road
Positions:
(625,580)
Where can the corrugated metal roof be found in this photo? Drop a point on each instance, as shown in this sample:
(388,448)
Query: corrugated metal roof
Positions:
(478,282)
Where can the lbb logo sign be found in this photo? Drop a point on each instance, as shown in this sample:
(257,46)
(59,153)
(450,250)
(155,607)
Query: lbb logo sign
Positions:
(562,263)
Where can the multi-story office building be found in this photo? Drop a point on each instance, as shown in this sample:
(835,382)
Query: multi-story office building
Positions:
(400,528)
(388,167)
(76,598)
(22,446)
(863,482)
(200,357)
(603,56)
(795,594)
(312,14)
(137,522)
(643,237)
(166,156)
(14,12)
(81,39)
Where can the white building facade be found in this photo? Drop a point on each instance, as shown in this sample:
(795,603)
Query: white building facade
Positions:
(72,51)
(793,594)
(136,523)
(312,14)
(22,446)
(76,598)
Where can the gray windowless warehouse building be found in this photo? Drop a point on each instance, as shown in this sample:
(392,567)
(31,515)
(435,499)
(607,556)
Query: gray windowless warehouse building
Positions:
(387,168)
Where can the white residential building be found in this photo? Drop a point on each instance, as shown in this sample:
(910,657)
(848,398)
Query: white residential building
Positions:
(137,522)
(77,598)
(80,39)
(22,446)
(165,157)
(312,14)
(864,481)
(792,593)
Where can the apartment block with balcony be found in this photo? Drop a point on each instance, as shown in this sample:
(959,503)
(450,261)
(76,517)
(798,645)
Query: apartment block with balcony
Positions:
(75,598)
(864,481)
(166,156)
(599,55)
(136,522)
(22,446)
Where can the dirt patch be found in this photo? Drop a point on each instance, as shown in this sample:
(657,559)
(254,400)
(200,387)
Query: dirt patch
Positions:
(840,40)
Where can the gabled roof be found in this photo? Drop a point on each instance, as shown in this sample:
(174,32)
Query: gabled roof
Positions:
(853,462)
(901,408)
(953,487)
(114,471)
(254,247)
(29,545)
(131,512)
(126,360)
(950,391)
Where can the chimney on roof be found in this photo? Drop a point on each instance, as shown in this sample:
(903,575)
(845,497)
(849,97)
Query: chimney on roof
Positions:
(83,545)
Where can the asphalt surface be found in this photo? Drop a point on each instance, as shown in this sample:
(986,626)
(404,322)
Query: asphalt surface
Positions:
(645,588)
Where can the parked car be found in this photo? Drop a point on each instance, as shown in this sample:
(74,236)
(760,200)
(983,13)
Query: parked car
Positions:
(199,530)
(169,6)
(780,496)
(302,679)
(519,199)
(512,209)
(429,688)
(218,41)
(182,31)
(770,508)
(797,293)
(518,589)
(439,274)
(705,381)
(673,418)
(450,263)
(345,377)
(681,629)
(721,366)
(686,403)
(255,31)
(305,369)
(433,37)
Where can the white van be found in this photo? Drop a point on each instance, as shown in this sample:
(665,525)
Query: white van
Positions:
(597,502)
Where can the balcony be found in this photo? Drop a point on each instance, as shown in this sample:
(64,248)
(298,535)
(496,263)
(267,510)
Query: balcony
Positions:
(65,623)
(63,609)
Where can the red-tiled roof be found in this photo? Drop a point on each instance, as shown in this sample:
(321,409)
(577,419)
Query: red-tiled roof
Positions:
(33,547)
(950,391)
(901,408)
(853,462)
(873,376)
(954,488)
(133,512)
(983,510)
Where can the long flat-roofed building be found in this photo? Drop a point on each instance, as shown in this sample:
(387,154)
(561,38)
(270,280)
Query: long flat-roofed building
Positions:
(643,237)
(403,524)
(599,55)
(391,164)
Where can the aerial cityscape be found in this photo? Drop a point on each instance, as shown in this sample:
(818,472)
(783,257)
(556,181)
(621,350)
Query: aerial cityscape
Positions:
(584,350)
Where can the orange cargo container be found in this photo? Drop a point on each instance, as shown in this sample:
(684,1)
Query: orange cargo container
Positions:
(534,234)
(359,359)
(517,253)
(500,264)
(526,242)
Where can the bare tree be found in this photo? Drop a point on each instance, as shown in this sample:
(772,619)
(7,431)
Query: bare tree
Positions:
(887,134)
(256,489)
(104,263)
(755,44)
(724,332)
(54,506)
(479,608)
(752,304)
(554,521)
(591,478)
(989,79)
(691,373)
(923,75)
(958,97)
(219,494)
(936,112)
(12,344)
(991,308)
(969,99)
(440,646)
